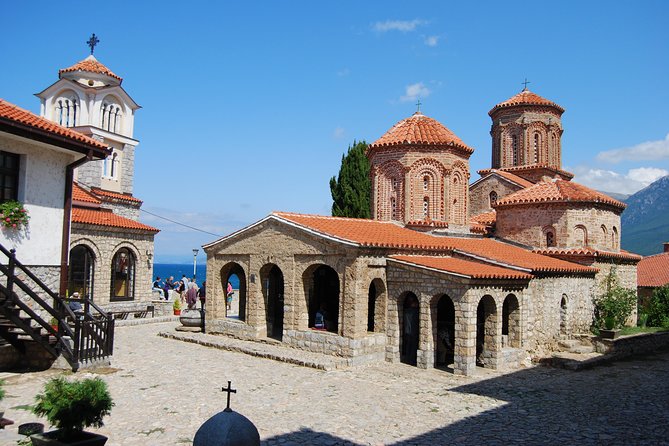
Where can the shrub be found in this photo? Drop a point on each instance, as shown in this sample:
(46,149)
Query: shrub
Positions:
(614,307)
(2,390)
(177,304)
(13,215)
(658,308)
(72,406)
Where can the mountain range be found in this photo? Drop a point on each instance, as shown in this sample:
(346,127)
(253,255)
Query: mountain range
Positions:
(645,221)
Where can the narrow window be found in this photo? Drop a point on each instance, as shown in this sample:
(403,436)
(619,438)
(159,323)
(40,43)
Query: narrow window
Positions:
(113,165)
(393,209)
(103,115)
(514,143)
(60,112)
(536,148)
(426,183)
(493,198)
(9,176)
(426,207)
(550,239)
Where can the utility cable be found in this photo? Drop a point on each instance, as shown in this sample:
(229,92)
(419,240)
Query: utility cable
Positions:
(180,224)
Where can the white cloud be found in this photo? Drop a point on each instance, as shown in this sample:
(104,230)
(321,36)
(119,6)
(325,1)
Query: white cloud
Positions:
(343,72)
(398,25)
(645,151)
(624,183)
(339,133)
(415,91)
(431,40)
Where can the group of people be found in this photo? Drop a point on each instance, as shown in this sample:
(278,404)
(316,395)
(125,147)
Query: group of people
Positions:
(187,289)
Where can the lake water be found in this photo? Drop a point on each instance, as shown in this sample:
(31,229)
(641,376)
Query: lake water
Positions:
(165,270)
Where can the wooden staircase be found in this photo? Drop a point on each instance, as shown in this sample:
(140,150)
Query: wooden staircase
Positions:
(25,302)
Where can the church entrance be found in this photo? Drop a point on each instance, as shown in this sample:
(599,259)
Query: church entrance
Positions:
(410,329)
(80,272)
(445,334)
(486,322)
(233,283)
(323,298)
(511,322)
(272,290)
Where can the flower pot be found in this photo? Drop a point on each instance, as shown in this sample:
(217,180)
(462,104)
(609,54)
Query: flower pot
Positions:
(81,439)
(177,312)
(608,334)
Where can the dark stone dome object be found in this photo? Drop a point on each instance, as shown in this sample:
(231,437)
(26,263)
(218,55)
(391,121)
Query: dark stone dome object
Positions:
(227,428)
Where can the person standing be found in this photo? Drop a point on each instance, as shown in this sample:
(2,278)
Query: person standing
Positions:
(202,294)
(228,299)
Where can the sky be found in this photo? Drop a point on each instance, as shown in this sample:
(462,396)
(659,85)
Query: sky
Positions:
(248,107)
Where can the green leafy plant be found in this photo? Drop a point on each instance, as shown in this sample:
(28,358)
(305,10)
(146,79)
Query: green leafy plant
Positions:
(615,305)
(658,307)
(13,215)
(72,406)
(2,390)
(177,304)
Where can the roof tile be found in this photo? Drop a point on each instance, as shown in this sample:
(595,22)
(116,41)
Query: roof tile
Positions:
(90,65)
(107,218)
(80,194)
(525,97)
(558,190)
(418,129)
(653,271)
(115,195)
(16,114)
(475,270)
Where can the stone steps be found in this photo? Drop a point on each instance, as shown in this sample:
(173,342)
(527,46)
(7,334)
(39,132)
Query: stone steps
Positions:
(270,350)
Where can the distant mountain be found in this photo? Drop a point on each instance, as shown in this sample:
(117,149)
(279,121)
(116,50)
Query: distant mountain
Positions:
(645,222)
(616,195)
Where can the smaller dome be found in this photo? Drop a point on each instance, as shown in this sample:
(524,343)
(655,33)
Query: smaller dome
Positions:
(90,65)
(227,428)
(418,129)
(525,97)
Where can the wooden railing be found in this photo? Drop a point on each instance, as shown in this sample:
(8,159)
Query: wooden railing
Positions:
(80,337)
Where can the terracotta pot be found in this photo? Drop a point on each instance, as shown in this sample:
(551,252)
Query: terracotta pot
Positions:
(608,334)
(177,312)
(82,439)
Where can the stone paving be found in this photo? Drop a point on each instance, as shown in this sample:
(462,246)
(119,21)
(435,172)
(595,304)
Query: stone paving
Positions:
(164,389)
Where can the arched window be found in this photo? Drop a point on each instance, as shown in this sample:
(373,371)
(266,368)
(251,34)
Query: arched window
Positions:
(110,116)
(67,110)
(114,168)
(605,236)
(80,271)
(580,236)
(493,199)
(426,207)
(536,148)
(514,145)
(614,238)
(550,238)
(123,275)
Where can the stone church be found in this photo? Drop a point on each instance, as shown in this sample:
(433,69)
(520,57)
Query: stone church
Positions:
(445,274)
(110,258)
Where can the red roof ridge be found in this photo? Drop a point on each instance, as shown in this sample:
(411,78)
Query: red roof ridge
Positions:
(81,194)
(17,114)
(106,217)
(473,269)
(118,195)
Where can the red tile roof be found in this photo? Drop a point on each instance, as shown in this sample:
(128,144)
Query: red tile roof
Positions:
(90,65)
(115,195)
(525,97)
(474,270)
(420,130)
(80,194)
(549,171)
(653,271)
(588,252)
(509,176)
(107,218)
(16,114)
(554,191)
(486,218)
(381,234)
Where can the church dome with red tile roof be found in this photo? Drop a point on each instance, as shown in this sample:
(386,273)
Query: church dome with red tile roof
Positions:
(419,129)
(525,98)
(88,66)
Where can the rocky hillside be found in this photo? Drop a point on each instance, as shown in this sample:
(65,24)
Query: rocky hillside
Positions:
(645,222)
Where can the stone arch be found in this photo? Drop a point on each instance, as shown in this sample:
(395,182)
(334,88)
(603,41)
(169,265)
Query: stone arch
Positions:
(227,271)
(272,286)
(376,306)
(433,171)
(389,185)
(493,199)
(458,195)
(408,307)
(486,332)
(81,271)
(580,236)
(442,310)
(549,238)
(564,313)
(614,238)
(512,153)
(67,108)
(605,236)
(322,294)
(511,321)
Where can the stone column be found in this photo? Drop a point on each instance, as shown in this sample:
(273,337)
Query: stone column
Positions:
(465,338)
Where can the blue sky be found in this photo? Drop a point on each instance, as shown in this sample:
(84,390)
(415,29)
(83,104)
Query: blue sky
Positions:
(249,106)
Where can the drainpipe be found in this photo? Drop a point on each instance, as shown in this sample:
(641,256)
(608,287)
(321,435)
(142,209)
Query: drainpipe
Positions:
(67,218)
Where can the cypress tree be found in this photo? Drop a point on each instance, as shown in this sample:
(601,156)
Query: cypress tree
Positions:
(351,189)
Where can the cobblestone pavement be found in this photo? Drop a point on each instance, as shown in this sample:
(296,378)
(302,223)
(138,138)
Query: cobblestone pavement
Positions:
(165,389)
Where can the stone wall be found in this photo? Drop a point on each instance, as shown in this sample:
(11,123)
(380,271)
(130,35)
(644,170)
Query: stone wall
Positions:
(128,169)
(104,243)
(479,192)
(124,210)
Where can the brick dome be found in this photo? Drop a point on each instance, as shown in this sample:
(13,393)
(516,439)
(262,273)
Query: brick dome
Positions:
(418,129)
(525,97)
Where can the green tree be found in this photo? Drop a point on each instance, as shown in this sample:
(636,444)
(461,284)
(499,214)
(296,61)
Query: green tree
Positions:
(351,189)
(615,305)
(658,308)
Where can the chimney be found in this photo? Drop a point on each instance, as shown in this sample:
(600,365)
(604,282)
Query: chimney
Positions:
(666,246)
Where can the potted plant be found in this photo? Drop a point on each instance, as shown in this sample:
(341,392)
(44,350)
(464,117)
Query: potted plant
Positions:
(176,306)
(71,406)
(54,323)
(613,307)
(13,215)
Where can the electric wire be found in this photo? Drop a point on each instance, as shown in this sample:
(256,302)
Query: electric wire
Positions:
(181,224)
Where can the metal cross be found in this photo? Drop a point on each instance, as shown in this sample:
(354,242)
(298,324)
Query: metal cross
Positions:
(418,104)
(230,390)
(525,83)
(92,42)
